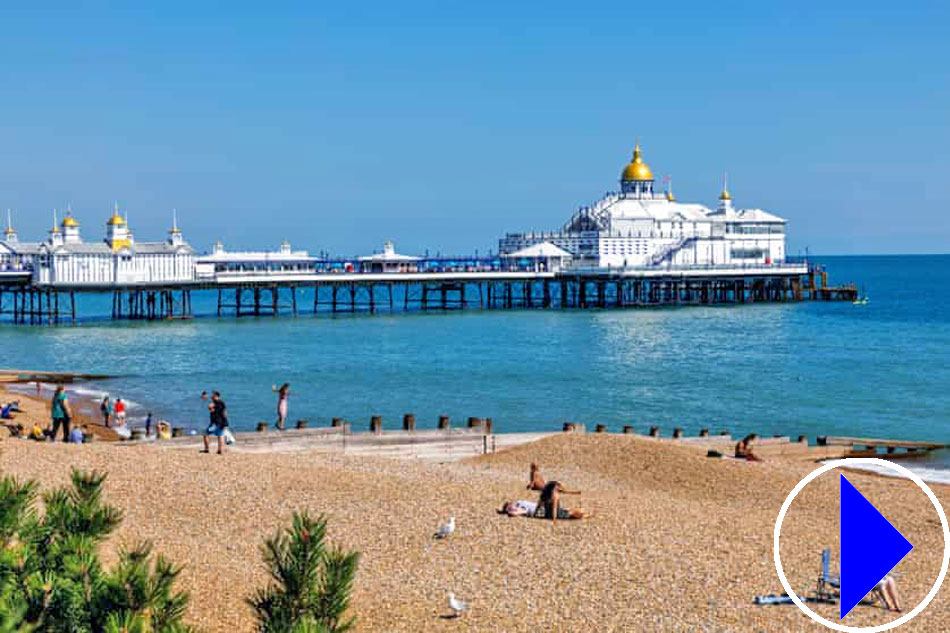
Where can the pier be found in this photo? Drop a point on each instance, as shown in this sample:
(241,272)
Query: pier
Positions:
(482,284)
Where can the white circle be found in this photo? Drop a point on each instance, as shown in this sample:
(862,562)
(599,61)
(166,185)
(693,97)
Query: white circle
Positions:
(946,545)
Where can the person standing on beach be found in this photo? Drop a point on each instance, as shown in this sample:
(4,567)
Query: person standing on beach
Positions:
(148,424)
(60,412)
(119,412)
(282,394)
(219,422)
(106,409)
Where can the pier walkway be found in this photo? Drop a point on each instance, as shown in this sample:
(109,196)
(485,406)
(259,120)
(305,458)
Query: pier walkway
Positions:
(333,288)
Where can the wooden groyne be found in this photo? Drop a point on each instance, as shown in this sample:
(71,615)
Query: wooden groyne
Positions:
(824,447)
(479,437)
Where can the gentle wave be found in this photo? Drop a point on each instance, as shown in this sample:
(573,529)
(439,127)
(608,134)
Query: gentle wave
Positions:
(928,474)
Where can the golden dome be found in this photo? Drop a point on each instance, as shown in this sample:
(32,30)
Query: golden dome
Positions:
(9,231)
(725,195)
(636,169)
(670,196)
(69,222)
(116,220)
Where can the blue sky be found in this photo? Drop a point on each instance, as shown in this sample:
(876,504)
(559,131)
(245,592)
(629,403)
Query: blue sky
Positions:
(442,125)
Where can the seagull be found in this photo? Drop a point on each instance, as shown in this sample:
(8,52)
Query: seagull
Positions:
(458,607)
(446,529)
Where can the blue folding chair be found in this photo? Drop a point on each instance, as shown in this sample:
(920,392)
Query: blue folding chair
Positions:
(829,587)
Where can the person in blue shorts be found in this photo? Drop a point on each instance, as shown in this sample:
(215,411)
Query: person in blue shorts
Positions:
(218,413)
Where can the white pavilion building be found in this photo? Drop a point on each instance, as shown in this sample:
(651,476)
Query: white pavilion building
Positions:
(638,227)
(64,259)
(389,261)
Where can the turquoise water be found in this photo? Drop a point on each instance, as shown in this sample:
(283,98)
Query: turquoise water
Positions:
(806,368)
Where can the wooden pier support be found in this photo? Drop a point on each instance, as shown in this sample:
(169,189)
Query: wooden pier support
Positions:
(151,304)
(28,305)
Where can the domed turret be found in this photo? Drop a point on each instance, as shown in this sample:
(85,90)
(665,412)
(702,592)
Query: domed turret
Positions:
(118,234)
(9,233)
(637,178)
(725,198)
(70,227)
(636,169)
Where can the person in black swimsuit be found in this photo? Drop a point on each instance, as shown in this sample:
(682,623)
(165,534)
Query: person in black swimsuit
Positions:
(549,503)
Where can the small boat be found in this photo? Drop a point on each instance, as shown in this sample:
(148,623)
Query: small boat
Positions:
(860,301)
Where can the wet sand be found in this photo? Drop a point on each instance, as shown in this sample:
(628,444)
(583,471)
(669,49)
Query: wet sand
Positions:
(680,542)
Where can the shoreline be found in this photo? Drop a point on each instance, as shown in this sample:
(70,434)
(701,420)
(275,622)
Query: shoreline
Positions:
(426,444)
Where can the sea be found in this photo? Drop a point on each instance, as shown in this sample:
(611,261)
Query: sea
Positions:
(808,368)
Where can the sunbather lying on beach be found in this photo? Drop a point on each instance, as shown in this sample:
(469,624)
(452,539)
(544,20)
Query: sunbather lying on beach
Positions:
(744,448)
(549,503)
(518,508)
(535,480)
(888,589)
(524,508)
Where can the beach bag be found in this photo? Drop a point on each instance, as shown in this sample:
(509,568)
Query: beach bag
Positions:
(228,436)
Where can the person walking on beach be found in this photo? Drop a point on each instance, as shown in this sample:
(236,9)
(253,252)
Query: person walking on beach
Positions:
(148,424)
(106,409)
(219,422)
(61,413)
(282,394)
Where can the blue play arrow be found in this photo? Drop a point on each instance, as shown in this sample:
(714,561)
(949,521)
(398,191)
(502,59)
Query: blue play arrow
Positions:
(870,547)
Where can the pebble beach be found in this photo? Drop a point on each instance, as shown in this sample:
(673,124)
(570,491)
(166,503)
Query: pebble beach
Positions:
(680,542)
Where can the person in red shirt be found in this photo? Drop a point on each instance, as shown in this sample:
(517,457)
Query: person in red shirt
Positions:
(120,411)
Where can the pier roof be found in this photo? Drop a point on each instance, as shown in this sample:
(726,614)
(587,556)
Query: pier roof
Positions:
(389,254)
(104,248)
(544,249)
(230,257)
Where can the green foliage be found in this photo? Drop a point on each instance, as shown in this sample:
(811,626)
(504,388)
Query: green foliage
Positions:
(310,583)
(51,580)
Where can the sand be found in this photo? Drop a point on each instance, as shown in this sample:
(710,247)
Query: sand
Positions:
(680,542)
